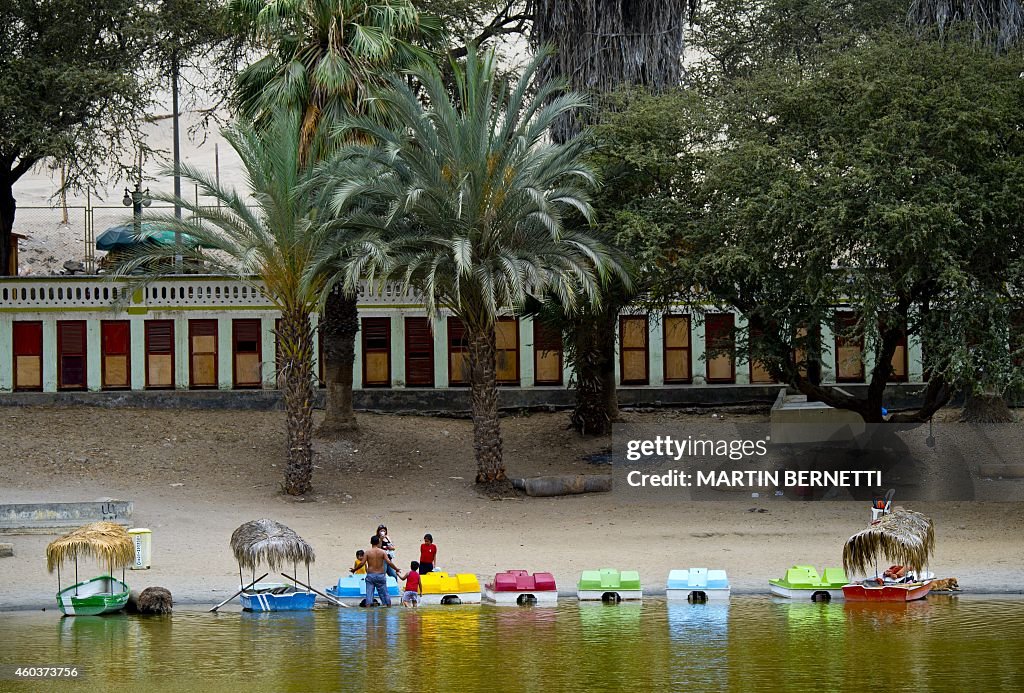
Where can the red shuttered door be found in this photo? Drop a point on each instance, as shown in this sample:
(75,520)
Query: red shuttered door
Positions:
(202,353)
(419,353)
(28,355)
(159,354)
(458,353)
(71,354)
(547,355)
(376,352)
(247,353)
(115,354)
(720,345)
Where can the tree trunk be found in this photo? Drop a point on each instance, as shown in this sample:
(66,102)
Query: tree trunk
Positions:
(986,407)
(296,373)
(606,338)
(7,209)
(593,349)
(484,393)
(340,325)
(590,415)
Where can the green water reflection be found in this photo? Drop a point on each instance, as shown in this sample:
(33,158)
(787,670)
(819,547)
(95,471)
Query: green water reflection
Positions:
(751,644)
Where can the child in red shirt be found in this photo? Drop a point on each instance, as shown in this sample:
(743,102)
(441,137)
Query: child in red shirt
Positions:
(428,552)
(411,596)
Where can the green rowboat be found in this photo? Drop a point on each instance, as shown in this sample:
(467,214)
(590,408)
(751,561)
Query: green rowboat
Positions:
(109,544)
(99,595)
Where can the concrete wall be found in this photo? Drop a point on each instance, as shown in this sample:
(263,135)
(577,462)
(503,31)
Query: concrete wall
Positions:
(453,400)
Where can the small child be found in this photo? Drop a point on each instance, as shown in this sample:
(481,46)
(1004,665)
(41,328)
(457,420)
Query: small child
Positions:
(428,554)
(360,570)
(411,597)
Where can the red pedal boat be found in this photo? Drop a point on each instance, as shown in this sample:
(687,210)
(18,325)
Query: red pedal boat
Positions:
(906,592)
(903,536)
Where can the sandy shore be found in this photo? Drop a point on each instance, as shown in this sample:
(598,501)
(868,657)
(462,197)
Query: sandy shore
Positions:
(196,475)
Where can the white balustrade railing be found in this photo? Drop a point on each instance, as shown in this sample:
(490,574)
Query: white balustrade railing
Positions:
(188,291)
(210,291)
(390,293)
(59,292)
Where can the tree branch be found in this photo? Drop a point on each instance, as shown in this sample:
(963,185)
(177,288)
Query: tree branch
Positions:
(504,23)
(25,163)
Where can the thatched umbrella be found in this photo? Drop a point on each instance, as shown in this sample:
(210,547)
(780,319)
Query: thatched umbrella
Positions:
(903,536)
(107,542)
(270,542)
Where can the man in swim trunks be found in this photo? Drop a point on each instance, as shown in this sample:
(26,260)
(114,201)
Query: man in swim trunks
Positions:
(375,561)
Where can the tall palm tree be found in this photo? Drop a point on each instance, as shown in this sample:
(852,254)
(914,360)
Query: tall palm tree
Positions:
(478,198)
(326,58)
(998,23)
(603,44)
(269,235)
(600,46)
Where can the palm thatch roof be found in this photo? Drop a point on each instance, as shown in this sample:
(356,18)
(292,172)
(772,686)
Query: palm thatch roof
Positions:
(269,542)
(903,536)
(107,542)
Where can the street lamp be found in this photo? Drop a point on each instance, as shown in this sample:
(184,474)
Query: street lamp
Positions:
(137,199)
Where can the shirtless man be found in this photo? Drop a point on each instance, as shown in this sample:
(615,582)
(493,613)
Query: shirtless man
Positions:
(376,577)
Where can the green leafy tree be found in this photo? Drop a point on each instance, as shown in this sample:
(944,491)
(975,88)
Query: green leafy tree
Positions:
(887,178)
(735,38)
(73,88)
(326,58)
(478,196)
(478,21)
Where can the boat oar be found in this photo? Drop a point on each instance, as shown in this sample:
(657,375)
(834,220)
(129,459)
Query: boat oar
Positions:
(238,592)
(329,598)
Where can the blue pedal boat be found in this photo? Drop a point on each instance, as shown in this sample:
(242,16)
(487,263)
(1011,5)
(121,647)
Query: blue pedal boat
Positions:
(351,590)
(697,585)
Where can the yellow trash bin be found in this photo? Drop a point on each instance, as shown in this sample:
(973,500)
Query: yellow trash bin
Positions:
(143,540)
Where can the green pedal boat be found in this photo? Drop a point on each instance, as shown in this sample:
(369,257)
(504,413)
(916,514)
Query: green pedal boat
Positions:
(609,585)
(803,582)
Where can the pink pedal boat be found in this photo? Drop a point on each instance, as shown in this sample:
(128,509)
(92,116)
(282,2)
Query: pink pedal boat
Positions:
(518,587)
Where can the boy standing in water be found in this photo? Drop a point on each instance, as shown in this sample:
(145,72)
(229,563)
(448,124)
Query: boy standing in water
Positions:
(411,596)
(428,554)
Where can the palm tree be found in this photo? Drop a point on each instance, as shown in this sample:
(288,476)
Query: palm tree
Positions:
(326,58)
(270,240)
(603,44)
(478,198)
(998,23)
(600,46)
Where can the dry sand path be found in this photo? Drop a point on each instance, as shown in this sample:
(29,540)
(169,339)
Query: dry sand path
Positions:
(196,475)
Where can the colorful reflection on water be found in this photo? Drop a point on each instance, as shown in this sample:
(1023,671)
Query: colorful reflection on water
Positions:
(751,643)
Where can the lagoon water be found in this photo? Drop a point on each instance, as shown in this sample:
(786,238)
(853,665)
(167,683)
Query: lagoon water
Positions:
(753,643)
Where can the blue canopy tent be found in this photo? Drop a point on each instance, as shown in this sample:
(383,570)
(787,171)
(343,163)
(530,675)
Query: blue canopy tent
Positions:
(124,237)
